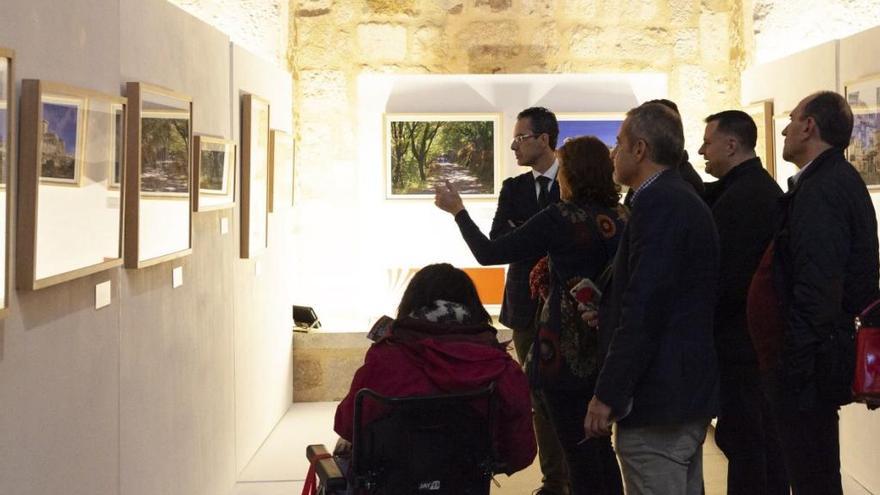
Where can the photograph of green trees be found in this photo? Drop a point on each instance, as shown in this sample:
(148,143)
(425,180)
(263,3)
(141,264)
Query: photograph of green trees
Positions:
(423,152)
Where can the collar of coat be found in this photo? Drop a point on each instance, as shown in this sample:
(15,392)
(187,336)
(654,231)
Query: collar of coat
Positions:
(817,164)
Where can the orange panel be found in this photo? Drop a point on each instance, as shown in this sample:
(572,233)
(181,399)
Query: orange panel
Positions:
(489,282)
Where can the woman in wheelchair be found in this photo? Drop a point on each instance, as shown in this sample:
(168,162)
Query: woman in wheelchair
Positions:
(442,342)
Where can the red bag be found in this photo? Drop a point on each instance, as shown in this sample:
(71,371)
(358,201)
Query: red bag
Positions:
(764,313)
(866,383)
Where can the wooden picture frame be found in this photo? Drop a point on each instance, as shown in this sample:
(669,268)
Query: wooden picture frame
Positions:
(212,152)
(141,240)
(34,250)
(280,160)
(782,169)
(8,140)
(254,175)
(603,125)
(117,165)
(765,147)
(863,96)
(467,136)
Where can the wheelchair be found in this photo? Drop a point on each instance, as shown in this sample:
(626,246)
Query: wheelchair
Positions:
(436,445)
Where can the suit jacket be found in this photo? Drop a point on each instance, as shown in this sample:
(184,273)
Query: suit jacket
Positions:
(687,172)
(517,203)
(744,205)
(656,316)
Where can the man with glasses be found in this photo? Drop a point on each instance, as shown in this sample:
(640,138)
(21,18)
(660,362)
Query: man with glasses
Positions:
(534,145)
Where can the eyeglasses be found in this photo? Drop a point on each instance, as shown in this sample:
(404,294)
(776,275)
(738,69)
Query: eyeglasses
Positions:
(522,137)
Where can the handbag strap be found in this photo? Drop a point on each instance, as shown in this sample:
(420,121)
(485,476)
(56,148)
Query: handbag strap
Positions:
(870,309)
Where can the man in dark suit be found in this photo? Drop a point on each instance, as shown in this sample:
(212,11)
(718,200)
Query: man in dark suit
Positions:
(743,203)
(824,269)
(534,145)
(659,378)
(685,169)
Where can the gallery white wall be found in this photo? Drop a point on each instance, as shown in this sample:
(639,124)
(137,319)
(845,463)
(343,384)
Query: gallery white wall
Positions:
(371,241)
(162,391)
(827,67)
(786,81)
(263,374)
(59,365)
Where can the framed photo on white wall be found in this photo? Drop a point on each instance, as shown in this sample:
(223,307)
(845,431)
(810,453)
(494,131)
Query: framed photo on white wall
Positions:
(604,126)
(423,151)
(762,113)
(863,152)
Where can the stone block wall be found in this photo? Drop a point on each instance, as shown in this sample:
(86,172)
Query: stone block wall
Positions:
(697,43)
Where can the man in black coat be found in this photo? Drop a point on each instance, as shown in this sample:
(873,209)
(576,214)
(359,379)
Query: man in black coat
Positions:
(744,205)
(521,197)
(825,269)
(659,378)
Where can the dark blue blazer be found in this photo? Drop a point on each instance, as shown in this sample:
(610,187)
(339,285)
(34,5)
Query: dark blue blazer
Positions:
(517,203)
(656,317)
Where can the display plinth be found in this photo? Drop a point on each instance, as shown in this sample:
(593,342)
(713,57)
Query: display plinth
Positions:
(324,362)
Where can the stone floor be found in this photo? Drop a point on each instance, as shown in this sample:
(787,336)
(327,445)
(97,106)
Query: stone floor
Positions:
(280,465)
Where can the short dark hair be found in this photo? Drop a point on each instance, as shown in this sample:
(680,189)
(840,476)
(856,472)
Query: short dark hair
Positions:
(585,165)
(543,121)
(666,103)
(442,281)
(833,117)
(737,124)
(660,127)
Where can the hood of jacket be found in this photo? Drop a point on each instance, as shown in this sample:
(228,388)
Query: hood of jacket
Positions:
(454,357)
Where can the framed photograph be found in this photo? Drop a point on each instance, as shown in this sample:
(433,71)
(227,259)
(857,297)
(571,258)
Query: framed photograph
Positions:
(254,175)
(61,151)
(8,140)
(864,147)
(165,167)
(762,113)
(425,150)
(214,165)
(66,233)
(117,147)
(158,175)
(604,126)
(280,167)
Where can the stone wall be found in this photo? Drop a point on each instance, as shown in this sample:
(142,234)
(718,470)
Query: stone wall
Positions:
(697,43)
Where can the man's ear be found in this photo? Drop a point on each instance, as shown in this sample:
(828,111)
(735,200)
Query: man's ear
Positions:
(732,145)
(810,127)
(640,150)
(545,138)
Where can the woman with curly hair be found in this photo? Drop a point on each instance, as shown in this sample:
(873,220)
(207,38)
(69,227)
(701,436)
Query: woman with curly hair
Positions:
(579,235)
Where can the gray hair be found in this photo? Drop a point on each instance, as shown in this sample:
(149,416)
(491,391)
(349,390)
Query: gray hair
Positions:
(661,129)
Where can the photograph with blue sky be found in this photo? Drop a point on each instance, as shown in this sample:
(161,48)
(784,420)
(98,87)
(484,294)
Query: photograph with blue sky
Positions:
(2,127)
(62,123)
(606,130)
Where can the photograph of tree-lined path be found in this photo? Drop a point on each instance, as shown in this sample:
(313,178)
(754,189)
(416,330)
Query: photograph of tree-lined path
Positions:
(426,153)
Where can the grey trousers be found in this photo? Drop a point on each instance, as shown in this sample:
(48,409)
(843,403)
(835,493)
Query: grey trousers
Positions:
(662,460)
